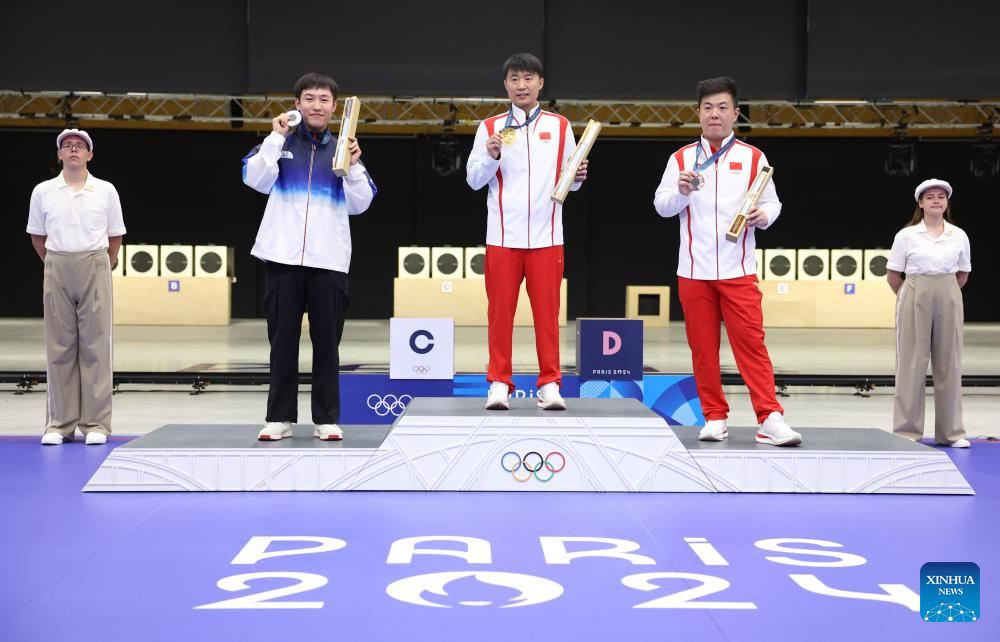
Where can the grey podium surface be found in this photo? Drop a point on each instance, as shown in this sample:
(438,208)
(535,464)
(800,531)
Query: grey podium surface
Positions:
(813,440)
(215,436)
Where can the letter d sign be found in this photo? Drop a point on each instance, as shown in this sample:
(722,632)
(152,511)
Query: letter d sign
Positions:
(612,343)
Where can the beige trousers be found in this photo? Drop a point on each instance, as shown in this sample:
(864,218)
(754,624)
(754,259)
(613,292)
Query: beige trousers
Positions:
(929,318)
(76,292)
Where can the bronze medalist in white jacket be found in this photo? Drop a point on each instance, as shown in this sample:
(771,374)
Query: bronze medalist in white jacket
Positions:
(706,214)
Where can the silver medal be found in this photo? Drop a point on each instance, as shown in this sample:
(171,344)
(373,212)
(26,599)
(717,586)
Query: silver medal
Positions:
(697,181)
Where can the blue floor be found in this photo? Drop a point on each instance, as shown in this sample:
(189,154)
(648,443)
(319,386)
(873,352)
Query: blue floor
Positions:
(134,567)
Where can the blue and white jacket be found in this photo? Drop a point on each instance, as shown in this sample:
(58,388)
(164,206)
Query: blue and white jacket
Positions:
(305,221)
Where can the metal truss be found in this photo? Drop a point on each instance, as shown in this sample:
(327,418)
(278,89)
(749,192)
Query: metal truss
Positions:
(435,115)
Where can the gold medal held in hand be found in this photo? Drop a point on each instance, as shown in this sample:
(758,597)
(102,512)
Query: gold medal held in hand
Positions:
(508,135)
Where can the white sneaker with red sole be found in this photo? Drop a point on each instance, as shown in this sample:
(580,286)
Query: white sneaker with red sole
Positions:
(775,431)
(714,430)
(275,431)
(328,432)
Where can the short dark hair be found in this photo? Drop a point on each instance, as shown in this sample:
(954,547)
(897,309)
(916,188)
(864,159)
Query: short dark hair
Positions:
(523,62)
(313,80)
(711,86)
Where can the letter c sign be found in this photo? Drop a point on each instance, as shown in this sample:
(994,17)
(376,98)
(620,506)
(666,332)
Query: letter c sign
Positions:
(428,343)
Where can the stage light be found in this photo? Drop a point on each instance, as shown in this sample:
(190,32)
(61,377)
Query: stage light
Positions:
(902,158)
(445,156)
(985,162)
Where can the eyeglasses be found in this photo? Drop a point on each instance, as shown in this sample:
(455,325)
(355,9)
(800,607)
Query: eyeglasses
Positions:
(77,147)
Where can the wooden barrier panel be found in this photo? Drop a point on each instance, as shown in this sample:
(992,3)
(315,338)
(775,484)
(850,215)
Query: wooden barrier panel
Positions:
(461,299)
(171,301)
(828,304)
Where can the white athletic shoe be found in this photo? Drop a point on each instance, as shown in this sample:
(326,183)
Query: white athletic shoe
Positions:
(499,397)
(328,432)
(95,438)
(776,432)
(961,443)
(53,439)
(549,397)
(714,430)
(275,430)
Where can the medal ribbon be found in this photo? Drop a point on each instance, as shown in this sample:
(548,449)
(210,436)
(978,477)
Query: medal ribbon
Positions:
(510,119)
(714,157)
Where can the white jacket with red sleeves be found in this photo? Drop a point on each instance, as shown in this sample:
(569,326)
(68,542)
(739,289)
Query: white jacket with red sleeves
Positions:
(520,211)
(705,215)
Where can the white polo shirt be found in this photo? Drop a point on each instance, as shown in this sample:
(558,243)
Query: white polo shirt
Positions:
(917,251)
(75,221)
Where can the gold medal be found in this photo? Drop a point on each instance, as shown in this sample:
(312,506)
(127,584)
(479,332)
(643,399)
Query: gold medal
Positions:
(508,135)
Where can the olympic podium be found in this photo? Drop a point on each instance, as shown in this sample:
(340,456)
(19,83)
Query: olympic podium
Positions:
(453,444)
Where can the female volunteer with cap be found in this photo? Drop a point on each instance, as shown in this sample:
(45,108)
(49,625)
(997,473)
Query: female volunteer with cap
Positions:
(935,257)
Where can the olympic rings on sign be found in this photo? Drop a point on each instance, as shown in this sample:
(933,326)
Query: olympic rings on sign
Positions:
(388,404)
(421,370)
(532,463)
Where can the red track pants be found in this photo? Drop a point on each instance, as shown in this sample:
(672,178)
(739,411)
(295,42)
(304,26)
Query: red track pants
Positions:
(505,269)
(737,303)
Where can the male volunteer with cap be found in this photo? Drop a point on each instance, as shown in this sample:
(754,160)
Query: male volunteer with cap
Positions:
(520,154)
(76,227)
(705,183)
(305,241)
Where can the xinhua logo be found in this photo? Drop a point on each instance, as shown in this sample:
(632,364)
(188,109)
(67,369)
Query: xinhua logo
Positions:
(949,592)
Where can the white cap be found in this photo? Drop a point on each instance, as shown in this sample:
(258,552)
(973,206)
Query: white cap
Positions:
(929,183)
(77,132)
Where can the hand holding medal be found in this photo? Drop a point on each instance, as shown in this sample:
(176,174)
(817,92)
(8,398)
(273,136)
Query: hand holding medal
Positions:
(509,132)
(694,179)
(684,182)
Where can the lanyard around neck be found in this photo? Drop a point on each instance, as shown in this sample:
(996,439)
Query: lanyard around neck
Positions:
(714,157)
(510,118)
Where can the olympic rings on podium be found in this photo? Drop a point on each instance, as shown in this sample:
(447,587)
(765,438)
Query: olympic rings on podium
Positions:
(532,463)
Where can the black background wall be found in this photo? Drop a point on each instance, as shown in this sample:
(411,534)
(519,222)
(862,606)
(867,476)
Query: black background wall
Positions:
(185,187)
(629,48)
(916,49)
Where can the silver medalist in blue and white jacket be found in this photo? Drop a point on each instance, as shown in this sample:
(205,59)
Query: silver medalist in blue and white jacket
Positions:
(305,221)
